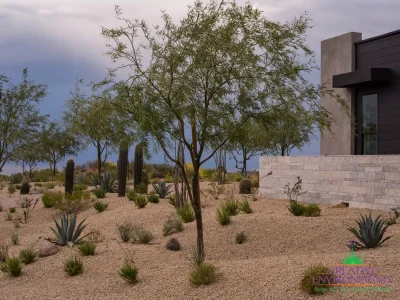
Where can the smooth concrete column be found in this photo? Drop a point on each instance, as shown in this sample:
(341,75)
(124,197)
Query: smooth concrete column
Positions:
(337,57)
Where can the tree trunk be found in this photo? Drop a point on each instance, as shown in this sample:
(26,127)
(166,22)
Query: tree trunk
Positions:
(122,170)
(282,151)
(98,158)
(244,170)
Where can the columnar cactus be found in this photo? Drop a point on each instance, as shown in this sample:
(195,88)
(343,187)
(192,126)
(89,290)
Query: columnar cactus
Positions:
(138,165)
(69,176)
(122,171)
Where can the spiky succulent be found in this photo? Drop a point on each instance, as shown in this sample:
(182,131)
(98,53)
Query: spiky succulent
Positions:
(106,182)
(369,232)
(162,189)
(66,232)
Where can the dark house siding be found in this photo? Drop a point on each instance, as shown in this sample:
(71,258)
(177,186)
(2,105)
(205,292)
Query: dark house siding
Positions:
(381,52)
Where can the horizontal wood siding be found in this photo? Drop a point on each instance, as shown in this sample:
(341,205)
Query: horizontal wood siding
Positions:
(382,53)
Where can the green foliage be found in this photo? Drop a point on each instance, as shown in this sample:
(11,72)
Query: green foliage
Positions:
(11,189)
(309,282)
(50,185)
(49,199)
(231,207)
(186,213)
(140,201)
(12,210)
(25,188)
(129,272)
(18,187)
(244,206)
(369,232)
(66,232)
(99,193)
(12,266)
(87,248)
(80,187)
(131,195)
(223,216)
(245,186)
(15,239)
(153,198)
(69,176)
(141,235)
(95,180)
(172,200)
(74,202)
(16,178)
(106,182)
(312,210)
(173,245)
(203,274)
(141,188)
(155,181)
(172,225)
(125,231)
(240,238)
(162,189)
(296,208)
(169,178)
(73,266)
(38,184)
(255,182)
(28,256)
(100,206)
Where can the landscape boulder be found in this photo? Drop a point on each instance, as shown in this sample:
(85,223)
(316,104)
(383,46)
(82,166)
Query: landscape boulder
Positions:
(45,248)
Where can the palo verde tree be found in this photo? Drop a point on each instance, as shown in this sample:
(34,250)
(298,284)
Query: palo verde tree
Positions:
(57,142)
(222,61)
(19,115)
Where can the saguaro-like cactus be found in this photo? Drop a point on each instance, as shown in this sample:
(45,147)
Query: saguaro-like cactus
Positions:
(138,165)
(122,171)
(69,176)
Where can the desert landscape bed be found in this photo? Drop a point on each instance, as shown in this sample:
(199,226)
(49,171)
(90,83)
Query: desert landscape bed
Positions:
(269,265)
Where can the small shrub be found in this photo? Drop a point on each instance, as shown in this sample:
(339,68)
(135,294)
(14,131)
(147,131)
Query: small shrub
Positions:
(38,184)
(49,199)
(100,206)
(296,208)
(128,272)
(15,239)
(80,187)
(245,186)
(12,266)
(27,256)
(232,207)
(25,188)
(294,192)
(309,283)
(141,188)
(223,216)
(172,225)
(369,232)
(172,200)
(18,187)
(11,189)
(153,198)
(155,181)
(140,201)
(203,274)
(169,178)
(186,213)
(51,185)
(74,202)
(255,182)
(173,245)
(245,207)
(142,236)
(131,195)
(73,266)
(312,210)
(87,248)
(125,231)
(241,238)
(11,210)
(99,193)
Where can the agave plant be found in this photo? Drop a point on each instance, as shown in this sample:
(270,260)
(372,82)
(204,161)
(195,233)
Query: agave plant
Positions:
(162,189)
(369,232)
(106,182)
(94,180)
(66,232)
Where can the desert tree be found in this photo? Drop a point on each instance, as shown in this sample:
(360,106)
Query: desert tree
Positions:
(222,61)
(57,142)
(19,115)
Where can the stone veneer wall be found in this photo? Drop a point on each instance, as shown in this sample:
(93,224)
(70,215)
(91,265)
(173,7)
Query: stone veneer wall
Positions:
(364,181)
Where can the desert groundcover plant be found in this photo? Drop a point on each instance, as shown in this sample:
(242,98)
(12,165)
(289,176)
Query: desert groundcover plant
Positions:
(66,232)
(172,225)
(28,256)
(162,189)
(73,266)
(12,266)
(369,232)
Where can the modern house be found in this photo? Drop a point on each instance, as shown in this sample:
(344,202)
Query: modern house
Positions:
(359,163)
(367,75)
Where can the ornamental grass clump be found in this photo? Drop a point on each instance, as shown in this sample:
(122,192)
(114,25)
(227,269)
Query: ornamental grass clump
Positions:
(223,216)
(172,225)
(100,206)
(87,248)
(186,213)
(12,266)
(245,207)
(310,283)
(28,256)
(129,272)
(73,266)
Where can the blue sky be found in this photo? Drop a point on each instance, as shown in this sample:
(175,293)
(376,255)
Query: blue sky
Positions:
(60,41)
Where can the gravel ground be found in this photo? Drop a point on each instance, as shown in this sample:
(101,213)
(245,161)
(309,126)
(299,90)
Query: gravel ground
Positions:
(268,266)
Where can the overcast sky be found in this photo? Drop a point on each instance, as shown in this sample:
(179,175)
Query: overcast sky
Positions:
(60,41)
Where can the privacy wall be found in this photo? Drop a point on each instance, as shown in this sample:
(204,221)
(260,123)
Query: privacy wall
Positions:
(365,181)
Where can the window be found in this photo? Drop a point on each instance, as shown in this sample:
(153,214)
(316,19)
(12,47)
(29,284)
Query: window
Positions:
(369,131)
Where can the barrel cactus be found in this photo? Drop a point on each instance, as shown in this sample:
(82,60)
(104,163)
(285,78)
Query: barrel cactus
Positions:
(122,171)
(69,176)
(25,188)
(245,186)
